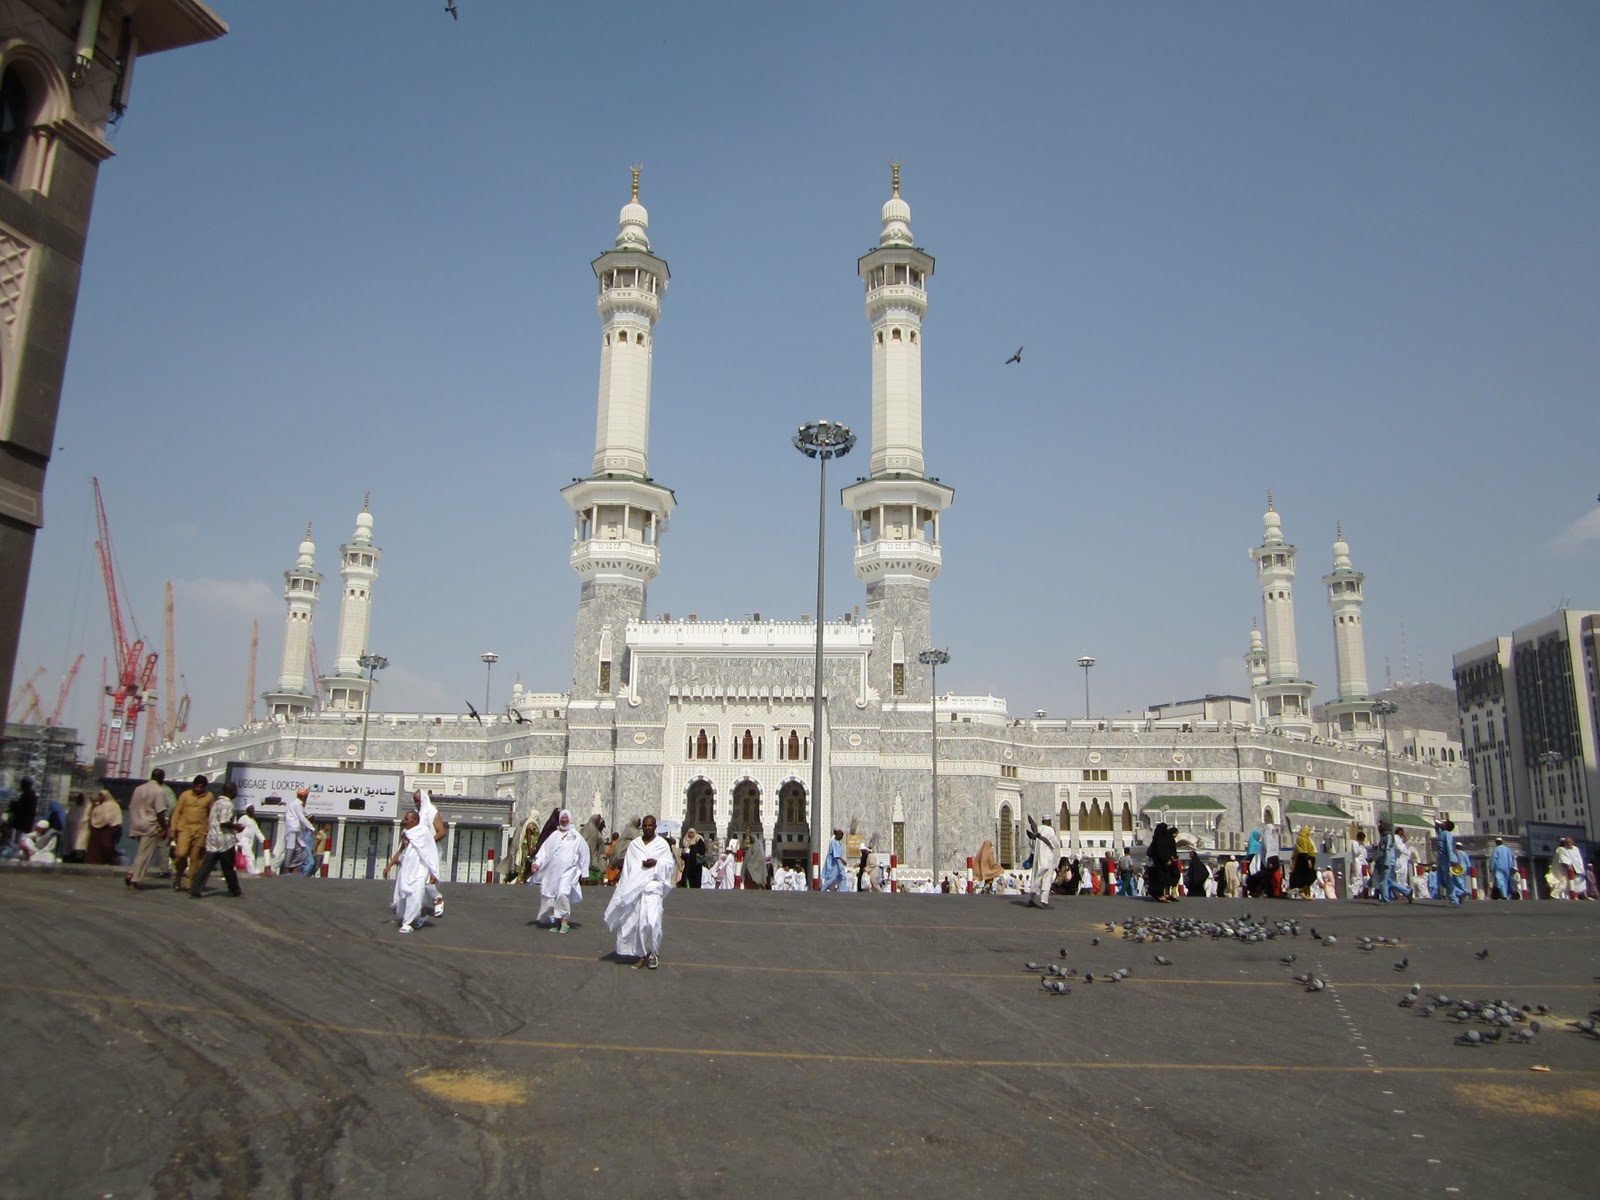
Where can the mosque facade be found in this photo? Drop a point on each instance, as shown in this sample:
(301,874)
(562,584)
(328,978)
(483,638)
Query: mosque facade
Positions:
(711,722)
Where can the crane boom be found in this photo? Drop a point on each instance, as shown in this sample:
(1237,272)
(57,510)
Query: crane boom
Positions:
(170,696)
(66,690)
(250,676)
(132,687)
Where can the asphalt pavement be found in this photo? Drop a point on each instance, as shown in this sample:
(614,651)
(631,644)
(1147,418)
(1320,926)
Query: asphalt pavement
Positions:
(293,1043)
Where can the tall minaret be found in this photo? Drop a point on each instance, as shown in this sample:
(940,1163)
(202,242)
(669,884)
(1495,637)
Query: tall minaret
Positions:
(1285,698)
(619,512)
(896,509)
(1350,716)
(300,587)
(358,567)
(1255,664)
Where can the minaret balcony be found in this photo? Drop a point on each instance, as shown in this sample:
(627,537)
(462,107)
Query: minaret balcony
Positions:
(616,559)
(883,558)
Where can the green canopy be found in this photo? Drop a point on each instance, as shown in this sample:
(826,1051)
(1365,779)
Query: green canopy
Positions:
(1311,808)
(1182,804)
(1401,818)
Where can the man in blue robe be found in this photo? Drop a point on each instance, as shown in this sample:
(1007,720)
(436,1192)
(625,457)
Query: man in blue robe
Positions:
(833,863)
(1501,864)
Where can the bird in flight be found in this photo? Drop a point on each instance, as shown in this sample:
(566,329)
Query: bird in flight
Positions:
(450,7)
(474,713)
(516,715)
(1015,358)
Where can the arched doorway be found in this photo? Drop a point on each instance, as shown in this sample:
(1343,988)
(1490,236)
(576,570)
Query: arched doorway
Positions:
(1007,836)
(791,835)
(700,810)
(746,820)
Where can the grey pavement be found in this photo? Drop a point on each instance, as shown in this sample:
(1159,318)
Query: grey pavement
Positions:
(292,1043)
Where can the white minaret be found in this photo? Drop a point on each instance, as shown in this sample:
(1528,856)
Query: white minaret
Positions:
(301,585)
(1255,665)
(358,567)
(896,510)
(1350,716)
(1284,698)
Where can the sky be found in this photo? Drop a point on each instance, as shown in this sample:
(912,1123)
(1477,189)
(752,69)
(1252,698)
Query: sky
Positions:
(1346,253)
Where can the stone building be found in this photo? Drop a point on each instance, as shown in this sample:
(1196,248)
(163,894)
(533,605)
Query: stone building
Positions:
(711,722)
(66,70)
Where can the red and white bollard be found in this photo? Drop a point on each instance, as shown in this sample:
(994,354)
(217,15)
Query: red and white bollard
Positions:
(894,863)
(816,871)
(1472,874)
(489,874)
(970,874)
(738,870)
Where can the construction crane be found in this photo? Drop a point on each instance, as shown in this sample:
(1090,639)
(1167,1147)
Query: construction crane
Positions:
(66,691)
(131,688)
(250,676)
(21,694)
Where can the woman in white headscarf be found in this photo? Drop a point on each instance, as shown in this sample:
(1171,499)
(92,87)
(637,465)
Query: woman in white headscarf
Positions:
(558,869)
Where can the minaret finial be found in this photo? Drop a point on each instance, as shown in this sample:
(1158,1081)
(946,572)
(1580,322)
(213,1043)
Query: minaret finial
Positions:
(1269,501)
(636,168)
(1338,531)
(308,531)
(894,168)
(365,498)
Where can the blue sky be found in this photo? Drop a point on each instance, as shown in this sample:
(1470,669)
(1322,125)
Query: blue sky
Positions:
(1346,252)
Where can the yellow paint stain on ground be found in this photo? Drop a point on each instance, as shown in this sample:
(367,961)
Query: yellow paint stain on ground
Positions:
(1575,1103)
(472,1087)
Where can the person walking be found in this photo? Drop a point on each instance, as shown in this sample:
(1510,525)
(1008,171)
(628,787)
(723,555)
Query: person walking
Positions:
(250,840)
(221,844)
(1303,866)
(105,829)
(1163,854)
(416,848)
(147,821)
(635,913)
(694,858)
(1450,885)
(833,863)
(297,835)
(559,869)
(1046,854)
(1402,859)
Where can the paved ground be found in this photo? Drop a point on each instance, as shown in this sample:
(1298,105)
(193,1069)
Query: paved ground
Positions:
(293,1044)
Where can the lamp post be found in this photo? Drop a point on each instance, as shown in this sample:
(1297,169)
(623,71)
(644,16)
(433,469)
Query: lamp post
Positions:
(820,440)
(373,664)
(1385,709)
(488,658)
(933,660)
(1086,662)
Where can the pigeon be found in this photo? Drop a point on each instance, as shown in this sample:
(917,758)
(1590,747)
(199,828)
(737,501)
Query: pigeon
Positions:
(1470,1038)
(1055,986)
(1402,964)
(1094,941)
(450,7)
(1330,940)
(1407,1001)
(516,715)
(1088,976)
(1316,985)
(1031,966)
(1063,952)
(1015,358)
(1288,959)
(1306,978)
(1163,962)
(474,713)
(1315,935)
(1482,954)
(1416,988)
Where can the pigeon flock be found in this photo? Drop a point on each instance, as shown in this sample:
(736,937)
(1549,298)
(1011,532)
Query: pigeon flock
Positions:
(1491,1021)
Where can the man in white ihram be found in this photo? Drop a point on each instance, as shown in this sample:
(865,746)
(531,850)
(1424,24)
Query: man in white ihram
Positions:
(634,914)
(1046,857)
(428,817)
(416,849)
(559,869)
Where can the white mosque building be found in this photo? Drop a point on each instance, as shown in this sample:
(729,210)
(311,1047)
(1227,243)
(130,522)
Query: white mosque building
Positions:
(711,722)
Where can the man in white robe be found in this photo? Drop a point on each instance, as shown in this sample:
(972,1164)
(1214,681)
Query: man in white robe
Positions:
(634,913)
(559,869)
(297,858)
(416,846)
(430,820)
(249,840)
(722,870)
(1046,857)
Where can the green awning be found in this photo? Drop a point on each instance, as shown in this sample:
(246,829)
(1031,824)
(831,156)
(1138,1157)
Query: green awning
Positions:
(1401,818)
(1182,804)
(1311,808)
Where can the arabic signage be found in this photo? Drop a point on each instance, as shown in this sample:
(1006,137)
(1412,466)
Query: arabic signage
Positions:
(373,795)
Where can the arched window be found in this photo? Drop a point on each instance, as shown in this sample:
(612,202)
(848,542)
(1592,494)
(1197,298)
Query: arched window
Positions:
(794,745)
(747,747)
(1127,817)
(702,745)
(1065,818)
(1007,836)
(1083,817)
(1267,817)
(16,121)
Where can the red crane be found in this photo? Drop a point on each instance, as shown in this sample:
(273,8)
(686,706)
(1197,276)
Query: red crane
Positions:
(66,691)
(131,689)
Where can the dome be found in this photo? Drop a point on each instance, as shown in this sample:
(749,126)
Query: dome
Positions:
(634,222)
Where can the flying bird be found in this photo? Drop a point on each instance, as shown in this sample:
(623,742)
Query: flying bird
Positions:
(516,715)
(450,7)
(474,713)
(1015,358)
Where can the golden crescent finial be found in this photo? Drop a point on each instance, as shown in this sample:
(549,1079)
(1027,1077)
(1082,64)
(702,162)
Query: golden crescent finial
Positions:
(365,498)
(636,168)
(308,531)
(1269,501)
(894,168)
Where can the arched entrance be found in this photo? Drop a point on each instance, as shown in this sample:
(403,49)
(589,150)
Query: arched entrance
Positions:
(791,835)
(1007,837)
(746,820)
(700,810)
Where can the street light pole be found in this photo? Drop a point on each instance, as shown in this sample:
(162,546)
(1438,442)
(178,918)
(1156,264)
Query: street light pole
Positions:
(373,663)
(1086,662)
(934,659)
(488,658)
(820,440)
(1384,709)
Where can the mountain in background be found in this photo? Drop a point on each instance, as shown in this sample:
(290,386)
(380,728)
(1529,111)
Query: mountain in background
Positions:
(1421,706)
